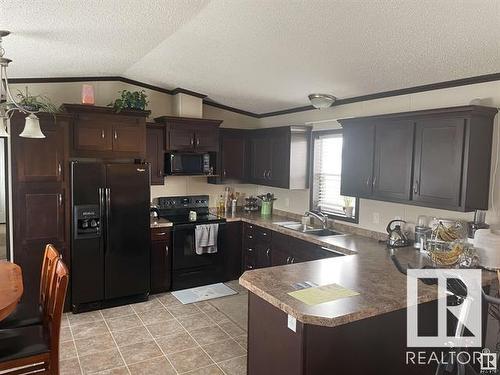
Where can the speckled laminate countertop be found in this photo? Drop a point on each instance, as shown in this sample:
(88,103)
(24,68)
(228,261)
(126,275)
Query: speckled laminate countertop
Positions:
(367,268)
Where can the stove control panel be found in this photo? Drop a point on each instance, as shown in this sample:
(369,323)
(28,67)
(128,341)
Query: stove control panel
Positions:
(193,201)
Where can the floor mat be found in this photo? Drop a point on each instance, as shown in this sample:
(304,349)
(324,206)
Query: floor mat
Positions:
(203,293)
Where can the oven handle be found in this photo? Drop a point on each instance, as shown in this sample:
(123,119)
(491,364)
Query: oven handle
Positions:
(178,227)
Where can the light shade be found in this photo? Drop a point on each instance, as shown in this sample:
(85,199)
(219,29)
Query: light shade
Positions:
(3,127)
(32,128)
(322,101)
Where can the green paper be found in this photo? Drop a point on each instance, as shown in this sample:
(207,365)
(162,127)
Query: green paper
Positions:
(322,294)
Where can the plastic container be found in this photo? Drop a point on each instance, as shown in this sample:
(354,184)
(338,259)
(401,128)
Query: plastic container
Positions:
(266,208)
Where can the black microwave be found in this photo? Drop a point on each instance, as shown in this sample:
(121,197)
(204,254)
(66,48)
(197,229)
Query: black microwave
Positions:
(187,163)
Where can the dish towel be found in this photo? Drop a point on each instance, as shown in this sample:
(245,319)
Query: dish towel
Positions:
(206,238)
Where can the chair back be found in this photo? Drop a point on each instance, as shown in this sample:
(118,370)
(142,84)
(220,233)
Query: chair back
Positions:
(49,261)
(54,308)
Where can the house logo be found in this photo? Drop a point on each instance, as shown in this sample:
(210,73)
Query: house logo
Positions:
(466,309)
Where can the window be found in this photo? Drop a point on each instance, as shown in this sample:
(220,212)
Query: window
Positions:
(327,167)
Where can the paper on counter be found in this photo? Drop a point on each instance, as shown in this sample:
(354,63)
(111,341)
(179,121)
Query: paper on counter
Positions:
(322,294)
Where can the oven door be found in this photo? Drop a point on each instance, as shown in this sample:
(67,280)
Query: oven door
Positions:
(184,254)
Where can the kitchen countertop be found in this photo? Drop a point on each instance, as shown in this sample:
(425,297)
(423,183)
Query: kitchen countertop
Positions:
(160,223)
(367,269)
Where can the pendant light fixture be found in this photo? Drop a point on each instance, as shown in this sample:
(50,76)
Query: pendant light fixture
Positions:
(8,105)
(322,101)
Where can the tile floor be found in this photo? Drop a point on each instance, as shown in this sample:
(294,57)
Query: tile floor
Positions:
(160,336)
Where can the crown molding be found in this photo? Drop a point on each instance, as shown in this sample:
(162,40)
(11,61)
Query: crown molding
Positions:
(384,94)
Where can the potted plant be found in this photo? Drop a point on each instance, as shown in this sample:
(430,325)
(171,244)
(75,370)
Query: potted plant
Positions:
(348,206)
(33,103)
(130,100)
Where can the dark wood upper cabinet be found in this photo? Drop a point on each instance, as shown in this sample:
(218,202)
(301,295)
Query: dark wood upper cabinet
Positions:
(100,132)
(439,146)
(357,160)
(41,160)
(155,152)
(190,134)
(393,160)
(434,158)
(279,157)
(233,154)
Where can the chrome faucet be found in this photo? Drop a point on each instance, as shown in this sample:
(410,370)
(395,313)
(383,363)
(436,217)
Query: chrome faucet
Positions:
(323,218)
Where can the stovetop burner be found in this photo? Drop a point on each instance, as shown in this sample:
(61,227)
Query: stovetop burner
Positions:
(202,218)
(176,209)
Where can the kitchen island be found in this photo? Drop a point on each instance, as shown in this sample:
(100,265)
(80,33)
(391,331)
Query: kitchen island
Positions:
(363,334)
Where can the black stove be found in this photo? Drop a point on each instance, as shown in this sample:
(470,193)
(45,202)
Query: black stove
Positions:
(188,268)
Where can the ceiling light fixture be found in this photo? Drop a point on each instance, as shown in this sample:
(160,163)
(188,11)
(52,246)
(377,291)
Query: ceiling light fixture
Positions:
(322,101)
(8,105)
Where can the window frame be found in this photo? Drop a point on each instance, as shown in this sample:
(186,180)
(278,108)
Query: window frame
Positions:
(314,136)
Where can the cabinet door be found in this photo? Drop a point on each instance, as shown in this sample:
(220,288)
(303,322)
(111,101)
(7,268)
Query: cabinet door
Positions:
(263,254)
(357,160)
(40,212)
(437,174)
(155,154)
(233,155)
(280,253)
(40,160)
(278,175)
(260,149)
(129,138)
(92,133)
(161,265)
(233,251)
(392,167)
(207,138)
(180,138)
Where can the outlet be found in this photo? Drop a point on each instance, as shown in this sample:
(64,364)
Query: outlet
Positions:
(376,218)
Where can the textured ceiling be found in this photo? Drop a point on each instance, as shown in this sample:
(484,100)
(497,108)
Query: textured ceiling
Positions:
(259,56)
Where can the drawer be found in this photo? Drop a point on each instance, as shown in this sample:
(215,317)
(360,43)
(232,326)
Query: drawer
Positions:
(160,234)
(263,235)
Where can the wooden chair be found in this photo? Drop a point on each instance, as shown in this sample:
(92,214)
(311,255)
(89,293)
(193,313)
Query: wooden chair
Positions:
(36,348)
(29,313)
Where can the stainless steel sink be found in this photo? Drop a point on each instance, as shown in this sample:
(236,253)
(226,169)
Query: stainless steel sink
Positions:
(299,227)
(322,232)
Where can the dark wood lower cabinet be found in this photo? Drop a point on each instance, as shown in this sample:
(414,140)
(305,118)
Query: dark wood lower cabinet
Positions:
(233,251)
(371,346)
(161,260)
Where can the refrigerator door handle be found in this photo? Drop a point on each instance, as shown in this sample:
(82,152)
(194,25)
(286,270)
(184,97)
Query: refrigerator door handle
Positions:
(100,191)
(107,194)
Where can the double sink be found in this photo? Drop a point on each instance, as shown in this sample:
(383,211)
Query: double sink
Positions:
(306,229)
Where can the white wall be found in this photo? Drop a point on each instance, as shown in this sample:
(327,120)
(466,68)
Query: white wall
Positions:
(297,201)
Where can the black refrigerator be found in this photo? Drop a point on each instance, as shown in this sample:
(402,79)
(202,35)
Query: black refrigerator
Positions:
(110,242)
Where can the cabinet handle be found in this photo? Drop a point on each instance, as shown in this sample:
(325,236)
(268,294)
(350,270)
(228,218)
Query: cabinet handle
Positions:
(416,187)
(102,133)
(268,252)
(249,249)
(59,169)
(116,135)
(264,174)
(166,250)
(197,141)
(160,173)
(250,237)
(264,234)
(292,261)
(161,234)
(192,141)
(59,199)
(288,260)
(373,182)
(368,181)
(224,173)
(249,267)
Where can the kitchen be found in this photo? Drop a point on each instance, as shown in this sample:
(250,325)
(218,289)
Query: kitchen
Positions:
(418,153)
